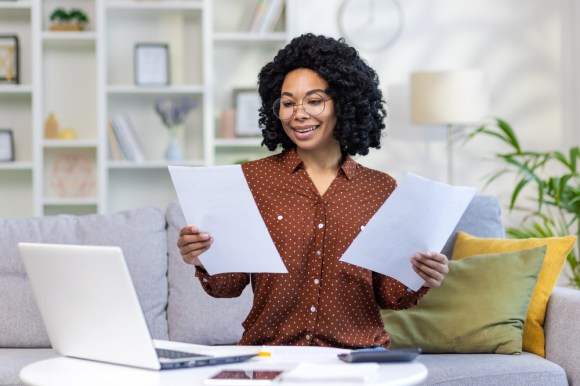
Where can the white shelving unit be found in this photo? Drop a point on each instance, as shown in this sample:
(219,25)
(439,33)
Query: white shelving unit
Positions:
(86,78)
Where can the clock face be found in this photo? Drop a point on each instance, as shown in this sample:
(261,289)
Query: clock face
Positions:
(371,25)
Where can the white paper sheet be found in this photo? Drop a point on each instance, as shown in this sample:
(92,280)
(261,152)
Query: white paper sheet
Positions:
(419,216)
(332,373)
(218,200)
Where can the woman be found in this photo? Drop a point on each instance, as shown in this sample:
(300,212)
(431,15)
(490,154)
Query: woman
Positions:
(321,104)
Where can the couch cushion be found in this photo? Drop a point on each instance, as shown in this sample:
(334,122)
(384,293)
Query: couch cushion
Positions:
(14,359)
(141,235)
(558,249)
(492,369)
(480,307)
(192,315)
(482,218)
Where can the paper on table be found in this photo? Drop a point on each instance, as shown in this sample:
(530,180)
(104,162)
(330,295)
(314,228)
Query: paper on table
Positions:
(323,372)
(218,200)
(419,216)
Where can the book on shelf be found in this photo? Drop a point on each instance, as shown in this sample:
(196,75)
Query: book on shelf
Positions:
(115,151)
(266,15)
(127,138)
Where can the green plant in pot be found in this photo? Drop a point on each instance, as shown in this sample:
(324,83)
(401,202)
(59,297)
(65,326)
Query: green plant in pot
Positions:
(553,178)
(63,20)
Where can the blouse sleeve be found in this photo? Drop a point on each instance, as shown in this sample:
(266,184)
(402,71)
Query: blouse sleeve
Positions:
(393,295)
(223,285)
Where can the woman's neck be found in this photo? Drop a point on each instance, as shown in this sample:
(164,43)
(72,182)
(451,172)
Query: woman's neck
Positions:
(321,161)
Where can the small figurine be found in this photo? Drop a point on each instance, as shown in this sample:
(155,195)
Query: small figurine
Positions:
(51,127)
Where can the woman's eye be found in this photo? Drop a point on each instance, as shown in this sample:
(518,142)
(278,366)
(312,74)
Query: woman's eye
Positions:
(287,104)
(315,102)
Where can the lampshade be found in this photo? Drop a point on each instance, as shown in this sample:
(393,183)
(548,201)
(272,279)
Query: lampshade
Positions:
(448,97)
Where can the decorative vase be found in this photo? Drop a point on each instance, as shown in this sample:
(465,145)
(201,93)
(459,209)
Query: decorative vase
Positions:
(174,150)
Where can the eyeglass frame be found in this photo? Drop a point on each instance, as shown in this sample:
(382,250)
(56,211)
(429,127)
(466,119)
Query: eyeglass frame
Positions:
(295,105)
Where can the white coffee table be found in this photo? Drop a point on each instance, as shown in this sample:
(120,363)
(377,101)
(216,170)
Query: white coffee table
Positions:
(63,371)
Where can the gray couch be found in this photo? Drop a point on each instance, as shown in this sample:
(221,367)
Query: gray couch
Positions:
(176,307)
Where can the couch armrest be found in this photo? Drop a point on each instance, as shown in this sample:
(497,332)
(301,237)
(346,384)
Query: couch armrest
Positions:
(562,331)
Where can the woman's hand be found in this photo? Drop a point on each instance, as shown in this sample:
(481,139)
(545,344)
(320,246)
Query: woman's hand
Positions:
(192,243)
(431,266)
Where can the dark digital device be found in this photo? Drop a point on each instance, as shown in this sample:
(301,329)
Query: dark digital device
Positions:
(381,356)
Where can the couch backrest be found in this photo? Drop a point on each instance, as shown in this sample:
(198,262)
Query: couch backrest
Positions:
(482,218)
(141,235)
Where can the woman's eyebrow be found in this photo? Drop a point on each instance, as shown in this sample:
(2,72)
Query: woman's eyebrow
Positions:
(286,93)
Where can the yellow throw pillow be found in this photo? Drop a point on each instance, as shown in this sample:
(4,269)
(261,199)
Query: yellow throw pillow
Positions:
(558,248)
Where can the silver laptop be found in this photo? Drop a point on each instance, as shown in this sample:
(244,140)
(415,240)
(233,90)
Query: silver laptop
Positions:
(91,310)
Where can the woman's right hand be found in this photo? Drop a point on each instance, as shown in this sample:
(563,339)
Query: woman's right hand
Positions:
(192,243)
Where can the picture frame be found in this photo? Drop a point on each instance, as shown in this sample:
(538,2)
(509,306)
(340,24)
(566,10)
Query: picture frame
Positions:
(6,145)
(247,103)
(151,63)
(9,59)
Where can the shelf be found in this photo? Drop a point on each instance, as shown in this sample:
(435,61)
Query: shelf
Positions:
(16,166)
(17,5)
(71,201)
(249,37)
(72,143)
(62,38)
(154,6)
(15,89)
(168,90)
(119,165)
(238,142)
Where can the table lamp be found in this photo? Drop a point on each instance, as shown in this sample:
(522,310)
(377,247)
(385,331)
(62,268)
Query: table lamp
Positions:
(451,98)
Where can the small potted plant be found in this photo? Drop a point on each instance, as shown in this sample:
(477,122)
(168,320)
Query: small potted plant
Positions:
(73,20)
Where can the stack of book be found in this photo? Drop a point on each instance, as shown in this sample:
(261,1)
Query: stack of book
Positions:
(124,142)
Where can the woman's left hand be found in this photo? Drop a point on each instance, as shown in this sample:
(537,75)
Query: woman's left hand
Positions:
(431,266)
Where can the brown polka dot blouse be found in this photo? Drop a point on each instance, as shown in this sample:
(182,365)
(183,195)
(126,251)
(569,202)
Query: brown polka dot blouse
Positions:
(321,301)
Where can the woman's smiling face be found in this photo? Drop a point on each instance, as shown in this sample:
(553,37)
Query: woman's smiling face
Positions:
(309,133)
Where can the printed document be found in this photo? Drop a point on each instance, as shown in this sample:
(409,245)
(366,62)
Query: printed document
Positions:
(218,201)
(419,216)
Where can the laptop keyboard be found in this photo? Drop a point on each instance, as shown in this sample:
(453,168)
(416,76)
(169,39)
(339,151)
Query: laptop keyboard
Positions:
(173,354)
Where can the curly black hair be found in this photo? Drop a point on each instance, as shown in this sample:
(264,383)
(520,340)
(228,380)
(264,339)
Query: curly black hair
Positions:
(353,85)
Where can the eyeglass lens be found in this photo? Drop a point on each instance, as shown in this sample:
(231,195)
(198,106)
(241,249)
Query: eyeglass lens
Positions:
(313,104)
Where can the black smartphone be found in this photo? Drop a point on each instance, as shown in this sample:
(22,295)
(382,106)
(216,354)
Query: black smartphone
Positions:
(244,377)
(381,356)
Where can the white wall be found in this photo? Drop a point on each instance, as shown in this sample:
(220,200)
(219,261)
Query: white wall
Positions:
(520,45)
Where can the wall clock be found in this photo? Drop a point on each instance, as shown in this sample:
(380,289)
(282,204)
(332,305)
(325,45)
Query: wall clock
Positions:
(372,25)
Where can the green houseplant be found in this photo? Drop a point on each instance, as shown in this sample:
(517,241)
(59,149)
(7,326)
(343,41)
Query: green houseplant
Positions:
(551,180)
(73,20)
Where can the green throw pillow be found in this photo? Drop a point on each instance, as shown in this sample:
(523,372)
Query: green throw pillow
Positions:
(480,307)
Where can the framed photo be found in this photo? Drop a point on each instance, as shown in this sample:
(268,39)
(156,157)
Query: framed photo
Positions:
(247,104)
(151,64)
(6,145)
(9,59)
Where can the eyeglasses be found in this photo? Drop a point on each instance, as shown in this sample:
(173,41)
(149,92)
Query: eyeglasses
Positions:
(312,104)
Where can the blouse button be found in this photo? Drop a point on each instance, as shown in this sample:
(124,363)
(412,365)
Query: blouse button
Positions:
(362,227)
(205,280)
(316,281)
(318,253)
(308,336)
(320,226)
(312,309)
(280,217)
